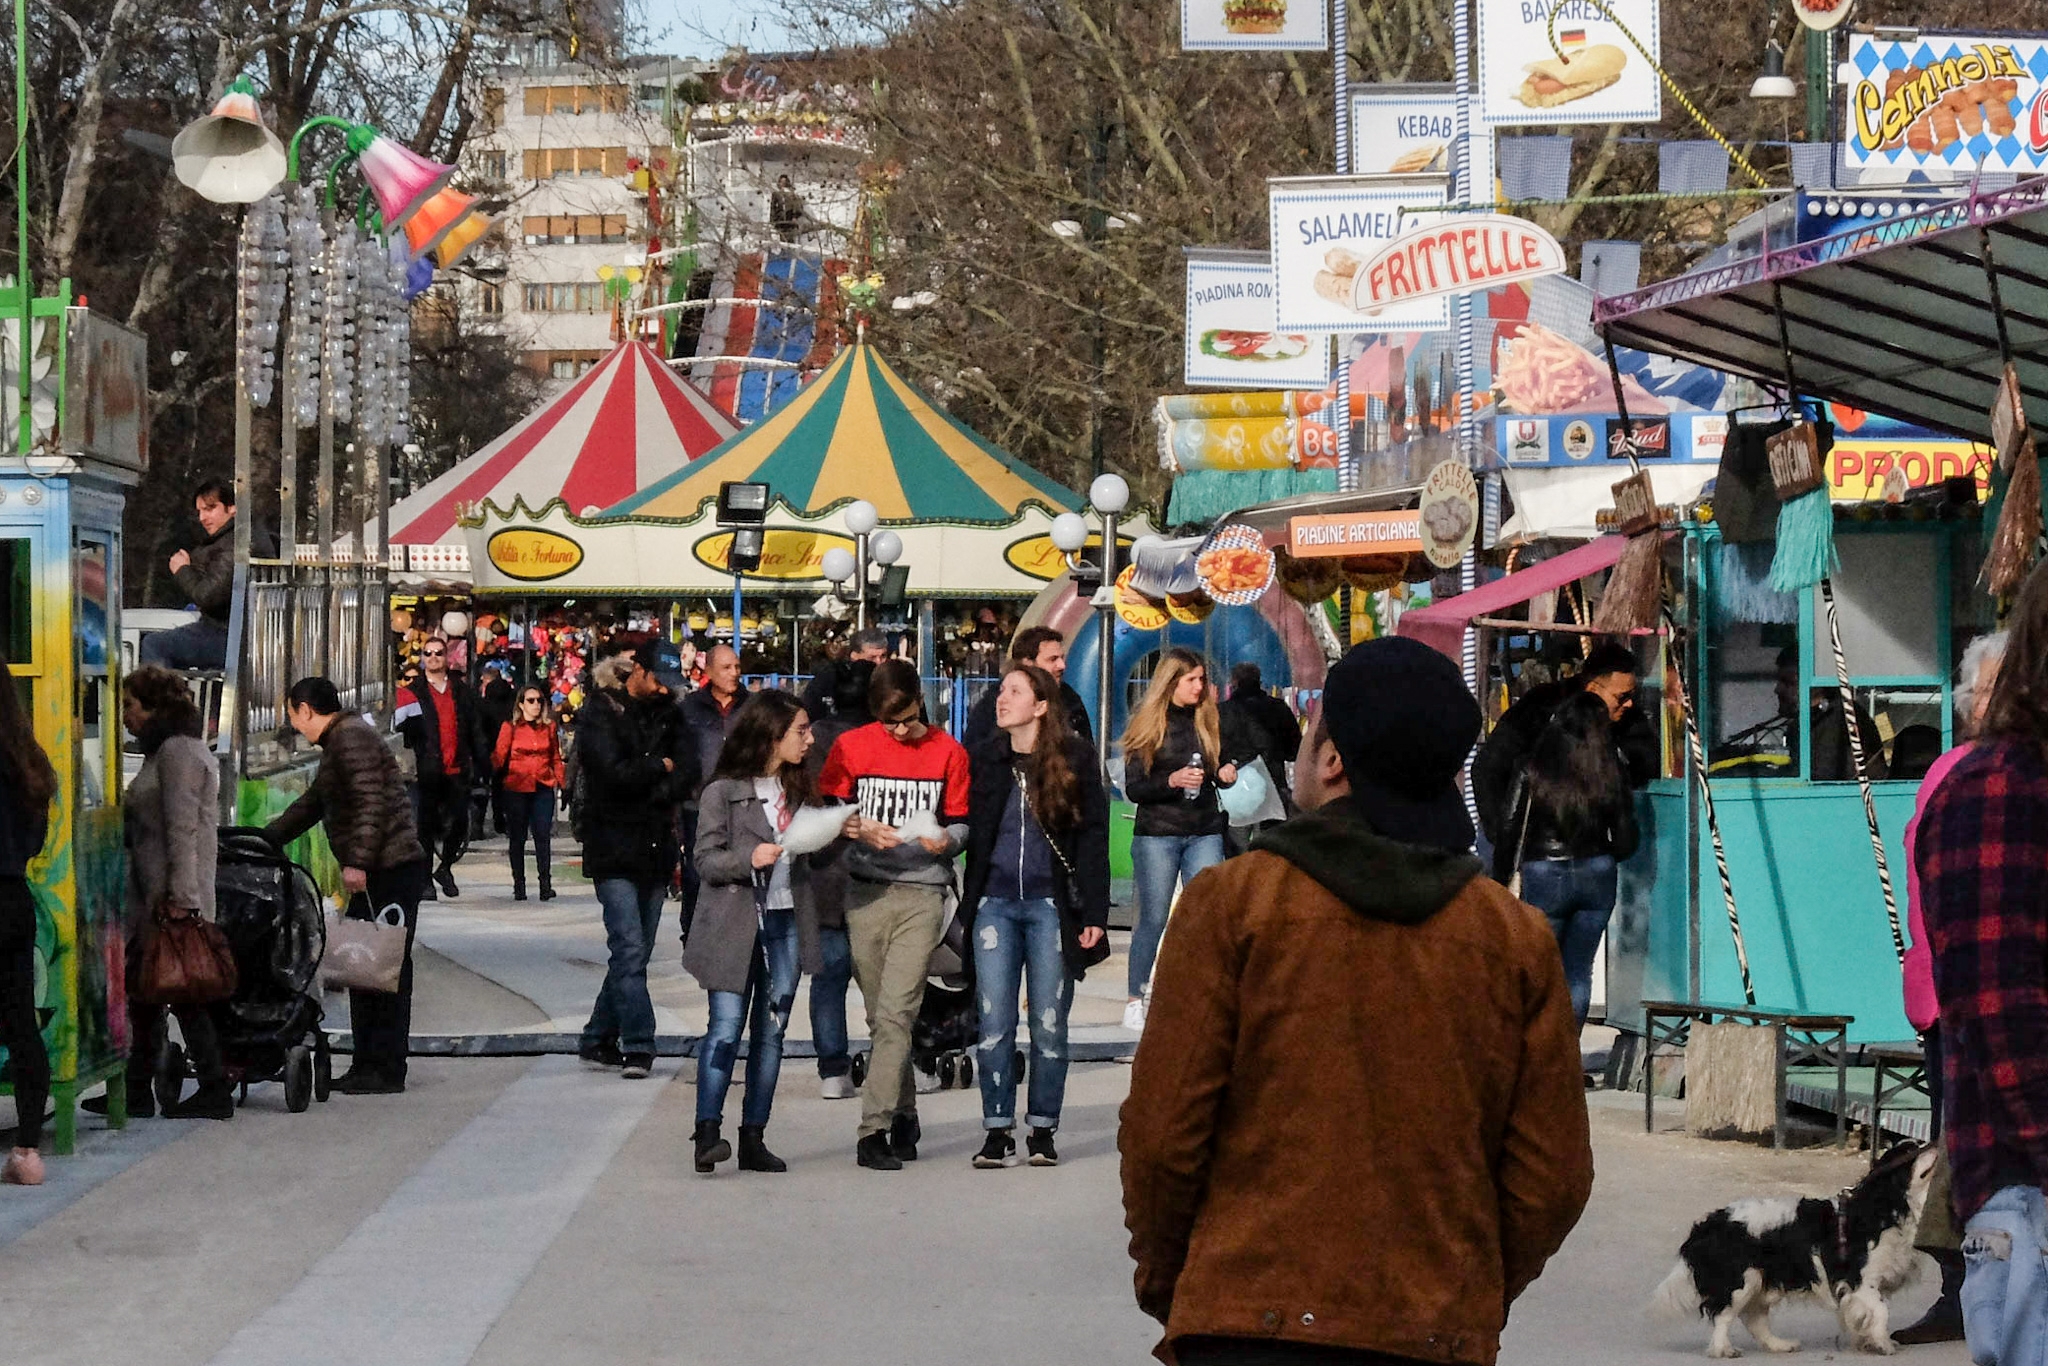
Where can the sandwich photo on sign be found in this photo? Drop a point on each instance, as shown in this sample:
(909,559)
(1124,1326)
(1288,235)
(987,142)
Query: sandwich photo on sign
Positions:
(1226,25)
(1598,65)
(1402,129)
(1325,229)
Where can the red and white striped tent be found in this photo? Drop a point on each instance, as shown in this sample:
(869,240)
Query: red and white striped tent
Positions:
(627,423)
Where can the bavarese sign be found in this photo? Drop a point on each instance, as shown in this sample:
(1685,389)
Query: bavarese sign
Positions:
(1458,255)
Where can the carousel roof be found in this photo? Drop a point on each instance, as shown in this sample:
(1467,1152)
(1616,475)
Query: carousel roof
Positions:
(627,422)
(860,430)
(1900,318)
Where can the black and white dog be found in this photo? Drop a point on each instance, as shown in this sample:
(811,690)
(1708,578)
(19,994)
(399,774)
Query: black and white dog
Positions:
(1850,1252)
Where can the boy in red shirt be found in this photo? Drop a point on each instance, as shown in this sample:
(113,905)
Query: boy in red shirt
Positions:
(896,769)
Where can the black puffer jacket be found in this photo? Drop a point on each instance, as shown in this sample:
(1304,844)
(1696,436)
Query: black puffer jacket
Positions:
(22,832)
(628,817)
(359,796)
(1166,810)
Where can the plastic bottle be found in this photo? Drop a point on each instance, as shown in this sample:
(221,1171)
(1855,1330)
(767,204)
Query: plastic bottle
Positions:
(1190,794)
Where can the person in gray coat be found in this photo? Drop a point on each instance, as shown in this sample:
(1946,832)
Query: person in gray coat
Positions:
(756,918)
(171,818)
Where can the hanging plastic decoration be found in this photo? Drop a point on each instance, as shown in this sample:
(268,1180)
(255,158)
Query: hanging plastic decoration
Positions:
(372,287)
(264,259)
(308,248)
(338,349)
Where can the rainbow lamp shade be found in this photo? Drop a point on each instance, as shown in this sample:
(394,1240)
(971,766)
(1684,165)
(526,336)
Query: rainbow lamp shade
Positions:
(447,225)
(230,156)
(402,180)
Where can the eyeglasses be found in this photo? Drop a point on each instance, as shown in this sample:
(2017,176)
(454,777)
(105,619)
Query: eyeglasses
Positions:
(903,723)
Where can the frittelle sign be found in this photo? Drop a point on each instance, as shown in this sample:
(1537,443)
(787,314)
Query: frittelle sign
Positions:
(1466,254)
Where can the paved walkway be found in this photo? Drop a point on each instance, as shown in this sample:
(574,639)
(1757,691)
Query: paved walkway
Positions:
(525,1212)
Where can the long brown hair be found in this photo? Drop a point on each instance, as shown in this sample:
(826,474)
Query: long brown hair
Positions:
(757,728)
(2019,697)
(23,765)
(1055,787)
(1146,731)
(1575,772)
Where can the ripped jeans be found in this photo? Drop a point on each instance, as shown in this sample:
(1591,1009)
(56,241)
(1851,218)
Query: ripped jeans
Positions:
(1017,943)
(2005,1285)
(769,1008)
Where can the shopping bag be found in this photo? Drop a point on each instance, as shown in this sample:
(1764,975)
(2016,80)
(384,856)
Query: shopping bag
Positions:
(1252,799)
(186,961)
(365,947)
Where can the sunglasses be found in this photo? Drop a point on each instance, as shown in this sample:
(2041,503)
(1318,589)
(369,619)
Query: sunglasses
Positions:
(529,701)
(433,654)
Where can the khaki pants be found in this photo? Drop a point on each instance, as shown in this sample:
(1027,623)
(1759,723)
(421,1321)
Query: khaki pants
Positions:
(893,928)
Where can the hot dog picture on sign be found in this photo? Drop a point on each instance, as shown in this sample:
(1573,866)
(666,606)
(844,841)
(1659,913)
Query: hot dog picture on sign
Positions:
(1594,73)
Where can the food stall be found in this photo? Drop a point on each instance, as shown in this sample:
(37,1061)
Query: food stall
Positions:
(1913,319)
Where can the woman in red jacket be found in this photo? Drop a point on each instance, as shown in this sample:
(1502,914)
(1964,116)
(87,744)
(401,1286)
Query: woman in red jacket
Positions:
(528,762)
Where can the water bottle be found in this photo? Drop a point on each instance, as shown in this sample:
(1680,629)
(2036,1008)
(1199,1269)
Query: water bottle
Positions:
(1192,793)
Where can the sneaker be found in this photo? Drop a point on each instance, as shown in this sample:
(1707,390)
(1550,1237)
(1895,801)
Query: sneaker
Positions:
(1039,1145)
(904,1132)
(24,1167)
(602,1057)
(998,1150)
(873,1153)
(840,1087)
(1134,1016)
(637,1065)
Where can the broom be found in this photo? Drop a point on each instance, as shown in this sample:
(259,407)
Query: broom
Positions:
(1636,587)
(1806,516)
(2018,535)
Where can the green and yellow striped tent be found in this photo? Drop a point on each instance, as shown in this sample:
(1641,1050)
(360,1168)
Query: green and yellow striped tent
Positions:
(860,430)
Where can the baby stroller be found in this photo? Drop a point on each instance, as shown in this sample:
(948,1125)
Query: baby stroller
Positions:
(271,912)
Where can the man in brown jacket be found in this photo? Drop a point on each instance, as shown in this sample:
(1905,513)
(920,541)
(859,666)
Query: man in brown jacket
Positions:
(358,794)
(1356,1127)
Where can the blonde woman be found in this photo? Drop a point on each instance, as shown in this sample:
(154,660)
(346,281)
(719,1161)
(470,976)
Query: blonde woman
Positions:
(1175,758)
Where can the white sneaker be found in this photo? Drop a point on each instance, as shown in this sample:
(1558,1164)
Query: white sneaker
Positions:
(1134,1016)
(840,1087)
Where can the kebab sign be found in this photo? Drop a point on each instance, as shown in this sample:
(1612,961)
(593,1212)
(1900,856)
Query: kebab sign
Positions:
(1461,255)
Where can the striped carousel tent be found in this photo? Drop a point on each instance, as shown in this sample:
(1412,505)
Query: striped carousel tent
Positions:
(628,422)
(860,430)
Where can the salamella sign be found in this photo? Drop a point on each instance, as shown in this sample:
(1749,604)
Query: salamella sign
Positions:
(1468,253)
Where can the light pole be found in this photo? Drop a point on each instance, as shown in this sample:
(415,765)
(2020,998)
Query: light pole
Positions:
(861,518)
(742,508)
(884,548)
(1109,495)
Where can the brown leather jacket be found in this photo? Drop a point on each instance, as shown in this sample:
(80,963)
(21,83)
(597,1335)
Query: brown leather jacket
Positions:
(358,794)
(1357,1117)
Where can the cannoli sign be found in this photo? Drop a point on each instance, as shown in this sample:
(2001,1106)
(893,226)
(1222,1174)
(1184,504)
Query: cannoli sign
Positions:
(1468,252)
(1957,102)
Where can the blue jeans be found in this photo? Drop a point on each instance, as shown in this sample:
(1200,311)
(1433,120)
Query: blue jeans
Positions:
(2005,1284)
(828,1002)
(632,917)
(1158,862)
(770,1019)
(1577,896)
(1017,943)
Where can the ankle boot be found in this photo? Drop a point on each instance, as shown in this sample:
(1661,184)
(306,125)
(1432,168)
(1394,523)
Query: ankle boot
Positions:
(711,1149)
(213,1100)
(547,888)
(141,1103)
(754,1154)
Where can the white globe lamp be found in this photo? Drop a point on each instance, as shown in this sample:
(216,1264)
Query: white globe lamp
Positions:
(861,517)
(838,564)
(1109,493)
(886,548)
(1069,532)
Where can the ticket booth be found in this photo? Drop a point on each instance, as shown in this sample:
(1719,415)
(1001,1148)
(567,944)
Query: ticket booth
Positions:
(60,620)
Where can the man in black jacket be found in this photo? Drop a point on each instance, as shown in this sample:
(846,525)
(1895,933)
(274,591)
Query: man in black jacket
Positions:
(1267,719)
(437,715)
(708,715)
(205,574)
(637,765)
(358,796)
(1610,674)
(1047,649)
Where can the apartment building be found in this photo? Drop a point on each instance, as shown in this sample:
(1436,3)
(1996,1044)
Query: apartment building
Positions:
(582,154)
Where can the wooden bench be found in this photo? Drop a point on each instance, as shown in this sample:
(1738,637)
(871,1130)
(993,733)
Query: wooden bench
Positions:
(1897,1068)
(1803,1038)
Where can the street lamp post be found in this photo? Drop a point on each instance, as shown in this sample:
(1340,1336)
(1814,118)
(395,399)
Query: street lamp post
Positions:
(861,518)
(1109,495)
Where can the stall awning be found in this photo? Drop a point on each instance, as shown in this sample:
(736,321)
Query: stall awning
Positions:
(1895,319)
(1441,626)
(1564,503)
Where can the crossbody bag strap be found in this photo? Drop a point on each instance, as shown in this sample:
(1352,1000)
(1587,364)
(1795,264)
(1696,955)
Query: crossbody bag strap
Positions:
(1031,807)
